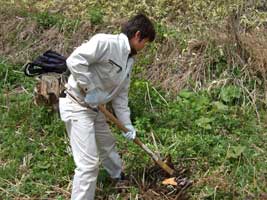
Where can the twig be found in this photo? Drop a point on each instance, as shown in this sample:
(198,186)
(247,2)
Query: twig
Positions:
(4,106)
(136,182)
(13,185)
(5,77)
(164,195)
(118,195)
(179,194)
(16,71)
(149,98)
(122,187)
(257,148)
(69,185)
(56,188)
(7,192)
(183,159)
(217,83)
(155,193)
(10,183)
(61,190)
(160,96)
(99,189)
(24,90)
(171,192)
(252,100)
(155,144)
(254,177)
(144,178)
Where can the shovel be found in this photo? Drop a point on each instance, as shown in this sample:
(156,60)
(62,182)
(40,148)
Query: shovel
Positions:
(162,164)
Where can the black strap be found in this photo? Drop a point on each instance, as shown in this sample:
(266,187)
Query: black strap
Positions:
(32,70)
(50,61)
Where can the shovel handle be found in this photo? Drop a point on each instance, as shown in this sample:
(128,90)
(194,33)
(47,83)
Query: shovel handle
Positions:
(137,141)
(111,117)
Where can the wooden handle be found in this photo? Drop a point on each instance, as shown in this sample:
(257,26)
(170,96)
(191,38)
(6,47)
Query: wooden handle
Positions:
(162,164)
(112,118)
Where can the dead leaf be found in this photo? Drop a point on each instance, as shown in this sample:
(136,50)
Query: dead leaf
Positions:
(169,181)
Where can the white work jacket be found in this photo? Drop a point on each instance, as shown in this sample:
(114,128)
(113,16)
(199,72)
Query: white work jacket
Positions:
(103,64)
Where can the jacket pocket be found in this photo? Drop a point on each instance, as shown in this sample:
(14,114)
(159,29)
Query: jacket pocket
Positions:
(117,67)
(109,74)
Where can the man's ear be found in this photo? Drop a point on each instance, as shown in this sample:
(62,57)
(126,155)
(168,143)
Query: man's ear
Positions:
(137,35)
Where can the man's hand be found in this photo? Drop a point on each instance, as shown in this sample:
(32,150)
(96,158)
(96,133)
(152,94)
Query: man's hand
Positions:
(94,98)
(131,134)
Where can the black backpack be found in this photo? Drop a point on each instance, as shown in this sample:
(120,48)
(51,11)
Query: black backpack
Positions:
(50,61)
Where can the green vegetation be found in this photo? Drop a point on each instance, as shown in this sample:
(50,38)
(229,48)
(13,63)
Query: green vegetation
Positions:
(218,139)
(46,20)
(199,90)
(96,16)
(34,156)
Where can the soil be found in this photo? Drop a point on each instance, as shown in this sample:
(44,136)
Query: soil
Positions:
(150,185)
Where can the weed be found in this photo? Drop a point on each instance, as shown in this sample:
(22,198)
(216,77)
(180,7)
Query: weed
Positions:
(47,20)
(96,15)
(211,130)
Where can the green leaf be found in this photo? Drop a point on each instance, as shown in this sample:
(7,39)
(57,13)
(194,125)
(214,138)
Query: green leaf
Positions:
(44,165)
(230,93)
(207,192)
(220,106)
(186,94)
(235,152)
(204,122)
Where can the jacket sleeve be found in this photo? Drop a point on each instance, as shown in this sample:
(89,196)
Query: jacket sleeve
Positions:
(81,59)
(120,104)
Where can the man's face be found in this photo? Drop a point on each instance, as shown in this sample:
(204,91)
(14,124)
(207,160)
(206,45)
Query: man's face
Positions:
(141,44)
(138,44)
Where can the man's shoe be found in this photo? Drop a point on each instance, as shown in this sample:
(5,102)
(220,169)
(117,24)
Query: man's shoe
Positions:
(122,182)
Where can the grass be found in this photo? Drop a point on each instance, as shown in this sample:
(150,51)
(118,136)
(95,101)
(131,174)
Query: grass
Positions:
(218,140)
(34,150)
(33,143)
(213,132)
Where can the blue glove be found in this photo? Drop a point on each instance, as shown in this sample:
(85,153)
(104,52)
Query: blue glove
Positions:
(131,134)
(95,97)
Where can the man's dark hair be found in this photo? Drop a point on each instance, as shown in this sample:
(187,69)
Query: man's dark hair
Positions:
(140,23)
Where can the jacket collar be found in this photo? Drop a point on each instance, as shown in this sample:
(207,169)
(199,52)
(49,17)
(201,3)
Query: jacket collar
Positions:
(126,42)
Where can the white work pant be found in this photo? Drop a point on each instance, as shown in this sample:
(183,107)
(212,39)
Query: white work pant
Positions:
(91,142)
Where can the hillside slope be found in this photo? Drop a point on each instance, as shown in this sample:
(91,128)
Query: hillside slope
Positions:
(198,94)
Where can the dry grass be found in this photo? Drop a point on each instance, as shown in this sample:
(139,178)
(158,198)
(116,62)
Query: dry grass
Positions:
(27,39)
(173,68)
(255,44)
